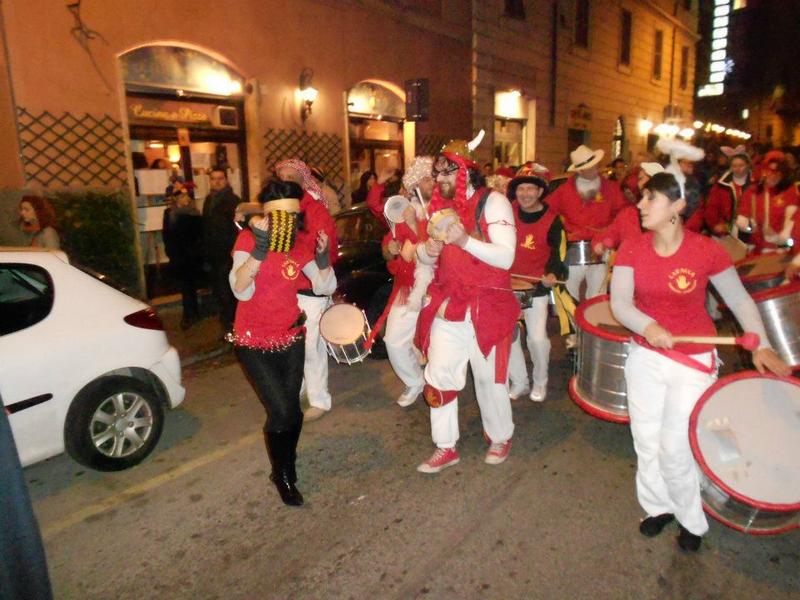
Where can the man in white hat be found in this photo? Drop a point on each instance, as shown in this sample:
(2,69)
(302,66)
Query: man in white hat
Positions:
(587,203)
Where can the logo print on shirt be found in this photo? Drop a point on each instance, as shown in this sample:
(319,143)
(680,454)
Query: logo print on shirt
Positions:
(682,281)
(528,244)
(290,269)
(598,197)
(779,200)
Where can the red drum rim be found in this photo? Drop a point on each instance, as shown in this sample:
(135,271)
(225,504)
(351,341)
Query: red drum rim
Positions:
(776,292)
(594,329)
(698,455)
(734,525)
(591,409)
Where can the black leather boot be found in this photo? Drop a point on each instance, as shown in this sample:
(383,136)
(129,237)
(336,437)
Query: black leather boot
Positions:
(281,446)
(652,526)
(295,438)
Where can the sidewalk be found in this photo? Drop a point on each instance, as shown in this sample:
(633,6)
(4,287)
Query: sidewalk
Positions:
(202,340)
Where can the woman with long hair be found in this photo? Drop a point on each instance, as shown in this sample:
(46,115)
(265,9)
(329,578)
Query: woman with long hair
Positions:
(366,182)
(268,331)
(37,219)
(658,291)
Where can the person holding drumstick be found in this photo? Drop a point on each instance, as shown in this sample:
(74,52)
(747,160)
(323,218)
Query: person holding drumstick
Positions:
(268,331)
(541,243)
(399,249)
(658,291)
(768,208)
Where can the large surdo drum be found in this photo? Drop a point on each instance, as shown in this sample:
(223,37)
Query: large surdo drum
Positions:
(580,253)
(780,310)
(745,435)
(598,385)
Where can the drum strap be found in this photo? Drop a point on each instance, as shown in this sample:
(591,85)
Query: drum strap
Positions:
(688,361)
(479,207)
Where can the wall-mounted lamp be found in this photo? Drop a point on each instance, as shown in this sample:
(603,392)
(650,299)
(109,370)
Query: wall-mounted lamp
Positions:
(308,94)
(645,125)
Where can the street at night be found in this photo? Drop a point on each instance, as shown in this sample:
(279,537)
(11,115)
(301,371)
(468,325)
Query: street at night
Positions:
(557,520)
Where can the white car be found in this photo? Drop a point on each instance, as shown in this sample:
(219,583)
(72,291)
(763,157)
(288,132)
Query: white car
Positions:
(83,367)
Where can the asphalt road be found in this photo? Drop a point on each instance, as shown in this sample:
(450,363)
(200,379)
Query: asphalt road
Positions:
(199,519)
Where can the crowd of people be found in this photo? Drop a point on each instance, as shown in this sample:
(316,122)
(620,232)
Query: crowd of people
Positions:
(474,265)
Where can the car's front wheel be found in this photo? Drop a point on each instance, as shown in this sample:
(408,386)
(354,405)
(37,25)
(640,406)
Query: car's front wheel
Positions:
(113,424)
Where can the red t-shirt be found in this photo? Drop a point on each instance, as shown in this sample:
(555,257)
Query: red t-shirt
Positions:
(626,225)
(268,320)
(672,289)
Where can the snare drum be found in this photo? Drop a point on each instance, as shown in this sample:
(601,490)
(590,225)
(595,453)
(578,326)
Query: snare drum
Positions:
(762,271)
(523,290)
(745,434)
(780,310)
(345,329)
(598,385)
(440,221)
(580,253)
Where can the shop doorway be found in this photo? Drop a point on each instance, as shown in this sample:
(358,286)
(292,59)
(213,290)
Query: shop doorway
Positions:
(185,113)
(509,142)
(376,116)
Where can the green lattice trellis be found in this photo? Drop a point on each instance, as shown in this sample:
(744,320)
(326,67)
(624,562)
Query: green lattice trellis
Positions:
(71,150)
(321,150)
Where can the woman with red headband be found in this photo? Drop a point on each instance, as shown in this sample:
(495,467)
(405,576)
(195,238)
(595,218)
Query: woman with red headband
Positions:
(658,291)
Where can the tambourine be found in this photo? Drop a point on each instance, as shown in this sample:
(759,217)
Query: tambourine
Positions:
(393,210)
(440,221)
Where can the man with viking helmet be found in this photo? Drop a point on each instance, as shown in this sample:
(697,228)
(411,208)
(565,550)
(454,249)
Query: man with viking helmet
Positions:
(587,203)
(470,316)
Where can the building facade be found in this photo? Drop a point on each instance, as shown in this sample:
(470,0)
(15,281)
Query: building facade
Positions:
(94,93)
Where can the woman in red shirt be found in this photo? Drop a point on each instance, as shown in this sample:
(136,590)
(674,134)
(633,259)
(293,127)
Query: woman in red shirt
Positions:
(268,332)
(658,291)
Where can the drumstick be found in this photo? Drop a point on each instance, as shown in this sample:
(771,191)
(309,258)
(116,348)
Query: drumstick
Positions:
(532,278)
(748,341)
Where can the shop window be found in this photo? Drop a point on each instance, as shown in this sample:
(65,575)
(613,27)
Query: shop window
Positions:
(626,28)
(582,23)
(515,9)
(618,141)
(684,80)
(658,52)
(26,296)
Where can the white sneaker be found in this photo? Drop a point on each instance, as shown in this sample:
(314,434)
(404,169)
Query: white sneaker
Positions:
(409,396)
(539,392)
(515,391)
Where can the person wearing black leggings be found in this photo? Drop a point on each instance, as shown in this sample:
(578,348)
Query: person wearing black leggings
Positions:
(268,332)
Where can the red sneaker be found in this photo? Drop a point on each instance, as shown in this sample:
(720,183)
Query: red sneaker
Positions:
(498,453)
(439,460)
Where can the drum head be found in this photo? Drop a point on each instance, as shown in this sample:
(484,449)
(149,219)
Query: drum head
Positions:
(521,284)
(597,314)
(342,324)
(745,434)
(394,208)
(440,221)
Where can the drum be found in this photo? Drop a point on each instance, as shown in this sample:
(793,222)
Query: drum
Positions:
(745,433)
(523,290)
(345,329)
(598,385)
(580,254)
(735,248)
(762,271)
(393,210)
(440,221)
(780,310)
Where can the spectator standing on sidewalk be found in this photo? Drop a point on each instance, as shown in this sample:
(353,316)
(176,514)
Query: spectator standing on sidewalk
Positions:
(182,232)
(219,235)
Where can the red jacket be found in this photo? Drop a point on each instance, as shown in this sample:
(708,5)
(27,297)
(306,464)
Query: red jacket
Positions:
(317,218)
(583,219)
(375,201)
(723,203)
(625,226)
(753,204)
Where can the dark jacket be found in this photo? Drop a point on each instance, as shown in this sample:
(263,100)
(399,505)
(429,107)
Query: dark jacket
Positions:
(183,237)
(219,231)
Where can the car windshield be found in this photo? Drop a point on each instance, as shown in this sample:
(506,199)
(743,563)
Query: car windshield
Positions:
(359,227)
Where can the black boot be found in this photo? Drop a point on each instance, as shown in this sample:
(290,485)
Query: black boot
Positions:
(281,446)
(688,541)
(295,438)
(652,526)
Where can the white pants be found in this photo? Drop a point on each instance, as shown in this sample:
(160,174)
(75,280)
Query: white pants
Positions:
(315,368)
(538,346)
(661,396)
(401,325)
(454,345)
(595,276)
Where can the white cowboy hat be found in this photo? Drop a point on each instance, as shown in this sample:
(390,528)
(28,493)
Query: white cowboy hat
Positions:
(584,157)
(651,168)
